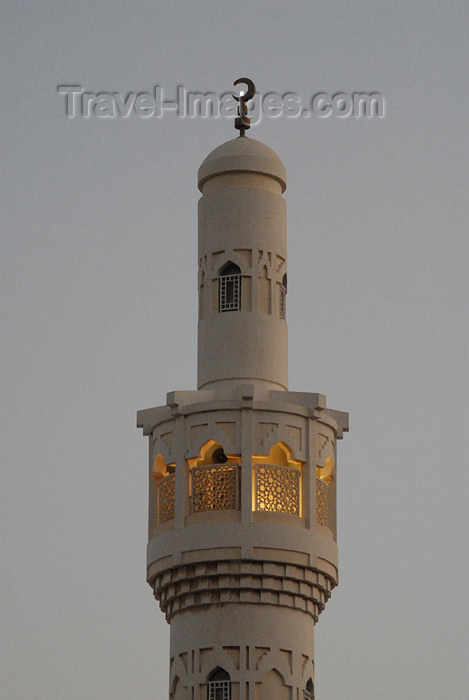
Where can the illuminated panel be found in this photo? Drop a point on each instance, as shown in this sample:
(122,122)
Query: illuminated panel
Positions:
(167,490)
(277,488)
(215,487)
(321,502)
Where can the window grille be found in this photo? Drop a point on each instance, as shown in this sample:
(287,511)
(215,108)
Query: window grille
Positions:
(229,290)
(219,690)
(283,302)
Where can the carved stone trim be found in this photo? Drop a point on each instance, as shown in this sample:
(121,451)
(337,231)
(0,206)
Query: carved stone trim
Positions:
(243,581)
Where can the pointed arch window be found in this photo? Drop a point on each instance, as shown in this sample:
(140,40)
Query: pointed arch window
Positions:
(219,685)
(229,288)
(308,694)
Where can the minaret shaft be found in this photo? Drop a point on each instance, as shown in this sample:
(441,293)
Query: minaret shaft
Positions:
(242,552)
(242,228)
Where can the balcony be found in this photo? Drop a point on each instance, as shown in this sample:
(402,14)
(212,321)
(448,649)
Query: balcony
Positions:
(216,487)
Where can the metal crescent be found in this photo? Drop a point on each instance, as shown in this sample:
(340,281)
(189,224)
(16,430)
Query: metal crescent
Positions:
(251,89)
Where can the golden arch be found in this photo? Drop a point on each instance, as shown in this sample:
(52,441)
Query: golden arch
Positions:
(326,473)
(280,454)
(276,481)
(160,468)
(212,452)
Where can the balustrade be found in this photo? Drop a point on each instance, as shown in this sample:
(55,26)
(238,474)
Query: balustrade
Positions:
(216,487)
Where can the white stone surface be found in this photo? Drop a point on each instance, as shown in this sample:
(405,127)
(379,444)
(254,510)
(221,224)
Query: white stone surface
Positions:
(242,568)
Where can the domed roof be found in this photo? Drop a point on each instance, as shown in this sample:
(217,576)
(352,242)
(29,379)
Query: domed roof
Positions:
(242,154)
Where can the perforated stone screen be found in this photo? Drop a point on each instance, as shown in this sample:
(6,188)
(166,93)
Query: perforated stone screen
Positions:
(322,511)
(215,487)
(167,491)
(277,489)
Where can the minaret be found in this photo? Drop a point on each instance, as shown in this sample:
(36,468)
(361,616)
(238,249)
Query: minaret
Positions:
(242,552)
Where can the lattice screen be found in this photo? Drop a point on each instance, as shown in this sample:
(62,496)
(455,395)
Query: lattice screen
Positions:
(167,492)
(322,511)
(215,487)
(277,489)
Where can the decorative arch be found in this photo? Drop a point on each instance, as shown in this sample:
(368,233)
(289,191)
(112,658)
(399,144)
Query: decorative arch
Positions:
(308,693)
(177,690)
(218,674)
(233,257)
(326,473)
(280,454)
(229,268)
(277,481)
(273,686)
(161,468)
(214,479)
(213,452)
(219,685)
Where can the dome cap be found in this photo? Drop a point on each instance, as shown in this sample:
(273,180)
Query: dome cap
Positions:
(242,155)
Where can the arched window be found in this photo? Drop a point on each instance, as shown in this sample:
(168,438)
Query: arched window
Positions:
(308,694)
(229,288)
(283,298)
(219,685)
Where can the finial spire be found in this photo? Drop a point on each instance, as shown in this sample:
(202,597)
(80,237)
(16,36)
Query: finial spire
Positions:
(242,121)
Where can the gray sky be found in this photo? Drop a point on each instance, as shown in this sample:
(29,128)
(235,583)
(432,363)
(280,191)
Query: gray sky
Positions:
(99,306)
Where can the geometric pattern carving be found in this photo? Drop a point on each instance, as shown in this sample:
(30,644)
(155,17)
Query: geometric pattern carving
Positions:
(215,487)
(229,430)
(322,440)
(295,436)
(265,430)
(277,489)
(321,502)
(280,262)
(167,490)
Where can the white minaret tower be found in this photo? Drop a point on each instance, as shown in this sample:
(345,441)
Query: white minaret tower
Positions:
(242,552)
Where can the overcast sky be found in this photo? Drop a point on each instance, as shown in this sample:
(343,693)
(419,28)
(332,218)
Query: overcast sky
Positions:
(100,306)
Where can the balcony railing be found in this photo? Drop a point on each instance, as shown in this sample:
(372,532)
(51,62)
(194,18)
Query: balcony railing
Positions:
(166,498)
(277,488)
(322,511)
(215,487)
